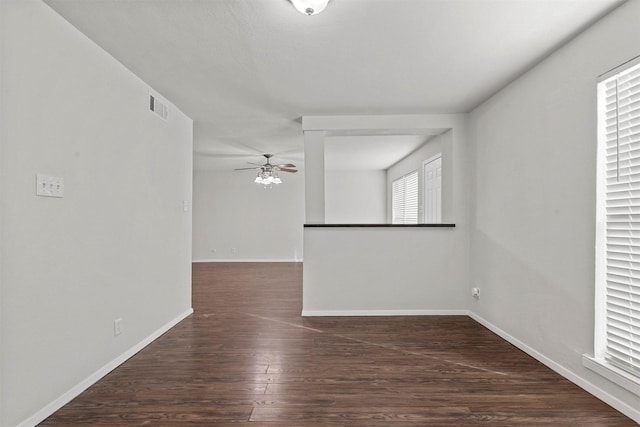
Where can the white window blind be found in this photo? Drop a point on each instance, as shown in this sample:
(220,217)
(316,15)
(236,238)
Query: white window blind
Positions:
(404,199)
(619,137)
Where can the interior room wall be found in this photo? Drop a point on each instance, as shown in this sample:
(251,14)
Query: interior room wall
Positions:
(355,197)
(2,179)
(364,271)
(117,245)
(393,270)
(440,144)
(533,232)
(235,219)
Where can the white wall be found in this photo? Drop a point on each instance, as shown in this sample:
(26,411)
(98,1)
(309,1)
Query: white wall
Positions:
(118,245)
(2,179)
(534,231)
(441,144)
(355,197)
(384,271)
(231,211)
(393,270)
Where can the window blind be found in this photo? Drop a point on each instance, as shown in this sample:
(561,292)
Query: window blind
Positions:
(619,98)
(404,199)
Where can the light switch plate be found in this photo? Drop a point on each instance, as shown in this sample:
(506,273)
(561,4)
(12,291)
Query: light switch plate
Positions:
(49,186)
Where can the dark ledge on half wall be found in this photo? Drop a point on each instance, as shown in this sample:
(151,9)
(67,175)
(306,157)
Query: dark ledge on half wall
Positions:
(382,225)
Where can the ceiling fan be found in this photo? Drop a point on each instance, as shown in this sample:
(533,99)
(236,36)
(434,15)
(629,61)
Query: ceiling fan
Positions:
(268,173)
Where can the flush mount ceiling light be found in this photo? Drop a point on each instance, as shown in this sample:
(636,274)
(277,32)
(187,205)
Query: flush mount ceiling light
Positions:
(310,7)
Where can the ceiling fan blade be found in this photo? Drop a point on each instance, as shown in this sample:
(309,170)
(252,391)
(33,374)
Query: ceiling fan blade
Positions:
(287,170)
(244,169)
(286,165)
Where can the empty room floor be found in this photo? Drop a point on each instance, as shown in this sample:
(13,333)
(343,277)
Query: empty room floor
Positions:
(246,356)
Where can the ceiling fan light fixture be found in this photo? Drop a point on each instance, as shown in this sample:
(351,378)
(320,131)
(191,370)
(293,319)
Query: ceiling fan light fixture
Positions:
(268,173)
(310,7)
(267,178)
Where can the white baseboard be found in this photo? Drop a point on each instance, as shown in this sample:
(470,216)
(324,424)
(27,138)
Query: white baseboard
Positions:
(629,411)
(65,398)
(247,260)
(328,313)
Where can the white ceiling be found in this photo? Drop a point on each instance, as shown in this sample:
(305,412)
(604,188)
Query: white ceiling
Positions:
(369,152)
(247,70)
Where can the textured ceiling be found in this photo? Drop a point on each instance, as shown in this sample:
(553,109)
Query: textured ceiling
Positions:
(247,70)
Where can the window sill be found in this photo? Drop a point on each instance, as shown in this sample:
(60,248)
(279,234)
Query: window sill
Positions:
(612,373)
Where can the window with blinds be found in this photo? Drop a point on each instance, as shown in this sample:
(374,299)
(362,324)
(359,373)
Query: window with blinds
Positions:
(404,199)
(618,230)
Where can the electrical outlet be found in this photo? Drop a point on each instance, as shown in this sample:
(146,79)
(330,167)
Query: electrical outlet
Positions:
(475,292)
(234,250)
(117,326)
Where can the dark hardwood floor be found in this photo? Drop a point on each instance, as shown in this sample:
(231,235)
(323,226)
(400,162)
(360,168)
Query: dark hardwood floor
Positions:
(247,357)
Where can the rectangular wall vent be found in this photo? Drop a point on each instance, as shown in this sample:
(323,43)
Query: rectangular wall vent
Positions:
(158,106)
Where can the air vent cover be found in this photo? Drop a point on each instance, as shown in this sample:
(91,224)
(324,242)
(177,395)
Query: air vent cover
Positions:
(158,106)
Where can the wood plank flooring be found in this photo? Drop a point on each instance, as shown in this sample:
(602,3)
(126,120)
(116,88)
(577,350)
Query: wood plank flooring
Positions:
(247,357)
